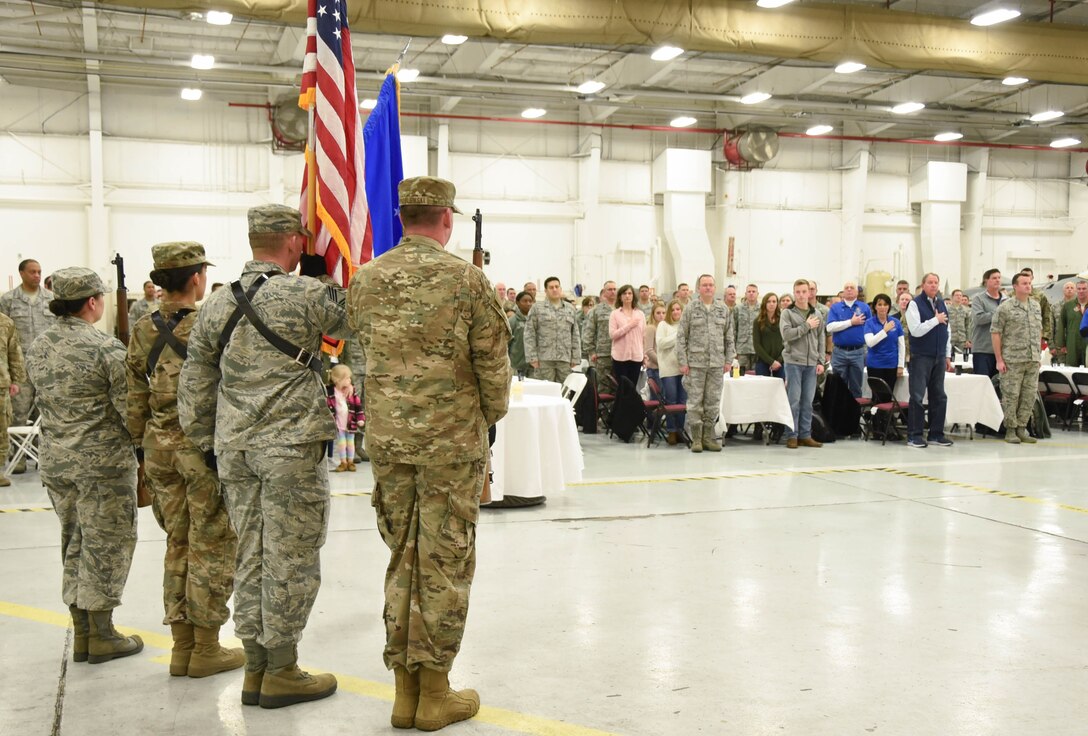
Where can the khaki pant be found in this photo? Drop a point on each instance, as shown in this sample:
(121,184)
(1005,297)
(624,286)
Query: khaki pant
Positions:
(553,370)
(704,387)
(1019,387)
(606,382)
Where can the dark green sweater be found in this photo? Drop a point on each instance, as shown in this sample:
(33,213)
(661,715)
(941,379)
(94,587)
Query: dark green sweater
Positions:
(767,341)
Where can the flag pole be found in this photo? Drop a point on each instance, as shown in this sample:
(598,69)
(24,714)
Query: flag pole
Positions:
(311,182)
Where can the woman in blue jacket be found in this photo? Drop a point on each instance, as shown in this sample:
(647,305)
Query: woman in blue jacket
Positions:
(887,347)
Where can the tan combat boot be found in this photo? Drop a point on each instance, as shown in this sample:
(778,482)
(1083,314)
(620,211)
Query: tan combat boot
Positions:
(710,442)
(1010,436)
(285,684)
(103,641)
(256,663)
(210,657)
(696,438)
(407,698)
(80,631)
(439,704)
(1027,439)
(183,648)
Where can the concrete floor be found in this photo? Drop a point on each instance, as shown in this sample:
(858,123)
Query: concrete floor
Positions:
(856,589)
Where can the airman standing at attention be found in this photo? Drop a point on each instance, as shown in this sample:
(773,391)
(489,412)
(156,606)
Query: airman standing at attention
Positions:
(1016,331)
(596,340)
(12,377)
(705,349)
(553,344)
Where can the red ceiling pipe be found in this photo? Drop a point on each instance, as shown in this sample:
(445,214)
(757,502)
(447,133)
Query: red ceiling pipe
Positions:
(488,118)
(931,142)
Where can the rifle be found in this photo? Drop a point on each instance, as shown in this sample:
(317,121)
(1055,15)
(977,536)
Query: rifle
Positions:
(143,497)
(479,258)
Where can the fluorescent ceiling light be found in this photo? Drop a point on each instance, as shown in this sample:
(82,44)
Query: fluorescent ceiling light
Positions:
(408,75)
(772,3)
(906,108)
(1064,142)
(666,53)
(219,17)
(452,39)
(819,130)
(590,87)
(946,137)
(369,103)
(192,94)
(532,113)
(992,17)
(849,67)
(1042,117)
(202,61)
(683,121)
(754,98)
(1013,81)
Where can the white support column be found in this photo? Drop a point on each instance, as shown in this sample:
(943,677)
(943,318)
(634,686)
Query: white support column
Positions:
(443,157)
(98,252)
(975,260)
(682,176)
(854,183)
(941,188)
(592,262)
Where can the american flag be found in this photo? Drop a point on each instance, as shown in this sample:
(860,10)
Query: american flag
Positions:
(342,227)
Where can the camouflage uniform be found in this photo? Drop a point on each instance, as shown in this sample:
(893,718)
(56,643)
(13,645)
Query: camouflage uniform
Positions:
(1020,325)
(267,419)
(743,317)
(1044,310)
(552,337)
(199,565)
(87,460)
(596,340)
(12,371)
(31,315)
(959,321)
(438,376)
(704,343)
(141,308)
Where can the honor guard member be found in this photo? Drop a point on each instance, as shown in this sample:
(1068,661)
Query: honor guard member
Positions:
(704,349)
(28,307)
(200,546)
(87,460)
(251,390)
(1017,331)
(437,377)
(12,378)
(552,343)
(597,341)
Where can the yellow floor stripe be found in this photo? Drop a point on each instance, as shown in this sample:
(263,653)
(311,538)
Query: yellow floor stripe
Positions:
(507,719)
(721,476)
(990,491)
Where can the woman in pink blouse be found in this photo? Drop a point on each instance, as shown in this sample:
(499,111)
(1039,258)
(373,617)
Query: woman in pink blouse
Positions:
(625,327)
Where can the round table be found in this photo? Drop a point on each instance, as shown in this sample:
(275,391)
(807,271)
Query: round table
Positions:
(536,387)
(749,399)
(971,398)
(536,449)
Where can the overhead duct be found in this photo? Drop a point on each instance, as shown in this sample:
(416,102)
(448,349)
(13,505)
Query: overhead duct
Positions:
(824,33)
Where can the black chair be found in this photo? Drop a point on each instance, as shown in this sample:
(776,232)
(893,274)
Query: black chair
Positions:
(1080,383)
(1058,394)
(892,411)
(660,412)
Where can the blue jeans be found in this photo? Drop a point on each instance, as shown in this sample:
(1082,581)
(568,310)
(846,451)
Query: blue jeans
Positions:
(655,375)
(801,388)
(985,364)
(675,393)
(762,369)
(927,374)
(849,365)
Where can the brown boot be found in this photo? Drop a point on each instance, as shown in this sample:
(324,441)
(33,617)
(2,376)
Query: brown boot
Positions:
(351,466)
(4,481)
(103,641)
(407,698)
(809,442)
(439,704)
(80,631)
(341,467)
(183,648)
(672,439)
(210,657)
(256,663)
(285,684)
(791,443)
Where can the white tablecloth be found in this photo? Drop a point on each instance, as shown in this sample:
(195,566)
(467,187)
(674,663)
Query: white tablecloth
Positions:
(754,399)
(536,387)
(971,399)
(536,448)
(1065,370)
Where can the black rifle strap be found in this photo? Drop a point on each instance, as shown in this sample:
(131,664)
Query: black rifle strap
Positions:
(166,337)
(299,355)
(236,316)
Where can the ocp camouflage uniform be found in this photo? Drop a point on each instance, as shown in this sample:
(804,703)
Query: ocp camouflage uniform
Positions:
(596,340)
(87,459)
(141,308)
(552,337)
(743,317)
(12,371)
(1020,326)
(31,315)
(437,377)
(704,343)
(1044,309)
(199,564)
(267,419)
(959,321)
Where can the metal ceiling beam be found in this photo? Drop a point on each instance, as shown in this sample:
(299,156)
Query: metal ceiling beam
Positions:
(24,19)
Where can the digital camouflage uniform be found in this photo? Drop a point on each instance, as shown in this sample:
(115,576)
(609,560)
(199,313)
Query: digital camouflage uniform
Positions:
(12,371)
(199,565)
(267,419)
(1044,310)
(437,377)
(1020,325)
(959,322)
(31,315)
(516,348)
(87,459)
(704,343)
(552,337)
(141,308)
(743,317)
(596,340)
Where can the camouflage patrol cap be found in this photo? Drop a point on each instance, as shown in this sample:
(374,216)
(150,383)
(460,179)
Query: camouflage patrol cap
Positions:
(76,283)
(275,218)
(178,254)
(428,192)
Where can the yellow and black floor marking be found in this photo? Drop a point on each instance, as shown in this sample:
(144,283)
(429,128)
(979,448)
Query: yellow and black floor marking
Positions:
(984,489)
(721,476)
(25,510)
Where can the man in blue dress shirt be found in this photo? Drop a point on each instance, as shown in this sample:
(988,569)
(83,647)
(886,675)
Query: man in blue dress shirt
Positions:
(845,322)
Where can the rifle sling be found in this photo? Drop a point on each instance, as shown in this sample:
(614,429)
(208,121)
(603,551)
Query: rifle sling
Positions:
(166,337)
(245,308)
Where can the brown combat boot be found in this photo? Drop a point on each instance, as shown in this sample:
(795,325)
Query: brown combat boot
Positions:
(80,631)
(439,704)
(809,442)
(103,641)
(285,684)
(696,438)
(210,657)
(407,698)
(183,648)
(256,663)
(351,466)
(672,439)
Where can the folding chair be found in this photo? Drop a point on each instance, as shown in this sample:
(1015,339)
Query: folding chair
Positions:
(22,439)
(661,411)
(1058,391)
(892,410)
(573,386)
(1080,383)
